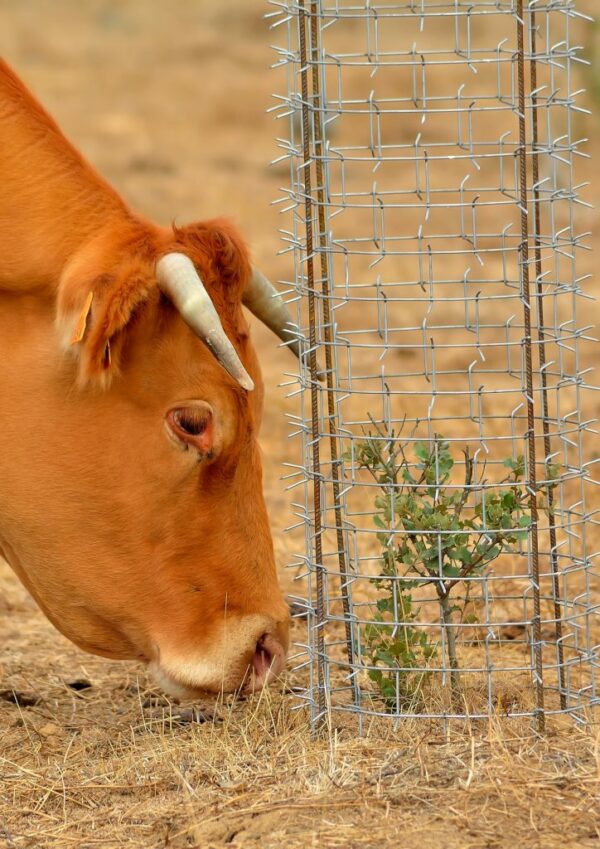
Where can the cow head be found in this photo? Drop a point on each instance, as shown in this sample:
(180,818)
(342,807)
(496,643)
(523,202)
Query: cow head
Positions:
(131,503)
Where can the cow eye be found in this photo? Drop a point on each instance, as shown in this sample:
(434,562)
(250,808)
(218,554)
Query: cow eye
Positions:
(192,425)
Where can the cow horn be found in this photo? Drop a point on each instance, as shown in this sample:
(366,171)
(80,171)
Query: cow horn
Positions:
(267,304)
(179,280)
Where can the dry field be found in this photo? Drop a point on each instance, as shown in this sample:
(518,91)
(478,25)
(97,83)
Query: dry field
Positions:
(168,100)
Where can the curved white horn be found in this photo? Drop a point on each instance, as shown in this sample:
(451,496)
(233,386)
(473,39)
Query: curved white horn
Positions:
(180,282)
(267,304)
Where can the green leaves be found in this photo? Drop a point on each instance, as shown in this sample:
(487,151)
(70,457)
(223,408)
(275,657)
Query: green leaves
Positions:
(432,529)
(464,555)
(524,521)
(517,464)
(391,641)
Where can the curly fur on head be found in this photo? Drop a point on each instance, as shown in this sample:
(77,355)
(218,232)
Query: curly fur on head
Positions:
(108,282)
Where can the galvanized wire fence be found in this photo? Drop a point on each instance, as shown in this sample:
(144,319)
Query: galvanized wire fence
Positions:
(431,216)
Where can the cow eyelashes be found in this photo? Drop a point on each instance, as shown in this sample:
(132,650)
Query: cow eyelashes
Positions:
(192,422)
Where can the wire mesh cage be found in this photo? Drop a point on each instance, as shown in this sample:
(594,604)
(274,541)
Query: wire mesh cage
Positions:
(432,219)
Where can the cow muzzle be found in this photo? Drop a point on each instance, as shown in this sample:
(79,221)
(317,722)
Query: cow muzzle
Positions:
(245,653)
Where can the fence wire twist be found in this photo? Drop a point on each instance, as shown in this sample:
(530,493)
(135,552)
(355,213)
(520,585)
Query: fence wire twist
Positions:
(432,219)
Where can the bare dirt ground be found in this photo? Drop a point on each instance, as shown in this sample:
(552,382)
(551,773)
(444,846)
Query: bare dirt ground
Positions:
(168,101)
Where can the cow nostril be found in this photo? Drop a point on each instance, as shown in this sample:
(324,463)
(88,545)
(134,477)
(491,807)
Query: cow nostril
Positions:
(268,659)
(262,659)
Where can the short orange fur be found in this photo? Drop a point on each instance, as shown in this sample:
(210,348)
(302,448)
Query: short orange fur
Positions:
(124,538)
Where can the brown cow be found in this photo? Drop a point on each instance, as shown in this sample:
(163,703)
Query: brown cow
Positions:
(131,501)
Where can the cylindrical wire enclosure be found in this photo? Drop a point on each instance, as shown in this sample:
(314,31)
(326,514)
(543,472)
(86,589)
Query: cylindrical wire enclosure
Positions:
(432,218)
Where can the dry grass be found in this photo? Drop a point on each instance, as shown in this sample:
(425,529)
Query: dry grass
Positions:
(114,765)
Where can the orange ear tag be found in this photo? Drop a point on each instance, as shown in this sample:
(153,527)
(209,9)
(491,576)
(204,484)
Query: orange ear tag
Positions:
(80,327)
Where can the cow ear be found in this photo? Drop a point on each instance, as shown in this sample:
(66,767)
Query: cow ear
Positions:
(94,314)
